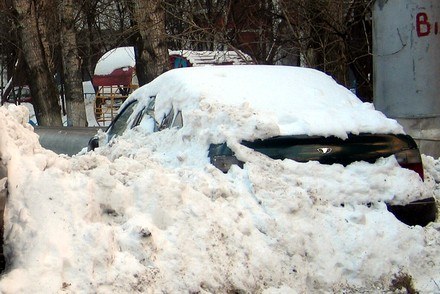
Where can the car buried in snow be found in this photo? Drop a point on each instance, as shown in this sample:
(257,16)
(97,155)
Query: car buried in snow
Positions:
(282,112)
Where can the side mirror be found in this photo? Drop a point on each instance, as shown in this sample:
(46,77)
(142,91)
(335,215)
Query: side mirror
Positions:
(93,143)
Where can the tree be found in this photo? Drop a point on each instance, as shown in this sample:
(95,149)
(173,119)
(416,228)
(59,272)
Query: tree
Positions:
(333,36)
(42,84)
(151,46)
(246,25)
(71,65)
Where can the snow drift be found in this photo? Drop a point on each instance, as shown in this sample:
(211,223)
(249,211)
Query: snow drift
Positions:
(158,217)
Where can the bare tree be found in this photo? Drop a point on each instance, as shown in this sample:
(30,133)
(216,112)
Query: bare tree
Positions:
(8,50)
(101,25)
(249,26)
(333,36)
(43,88)
(71,65)
(151,47)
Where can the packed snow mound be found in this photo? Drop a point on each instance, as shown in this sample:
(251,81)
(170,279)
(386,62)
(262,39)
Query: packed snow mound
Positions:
(293,101)
(151,214)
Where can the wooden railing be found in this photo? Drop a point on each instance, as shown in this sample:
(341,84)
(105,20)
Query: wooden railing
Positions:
(108,101)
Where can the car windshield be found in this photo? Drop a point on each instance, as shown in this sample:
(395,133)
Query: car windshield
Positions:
(120,123)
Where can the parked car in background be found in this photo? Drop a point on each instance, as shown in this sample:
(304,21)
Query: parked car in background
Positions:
(20,94)
(282,112)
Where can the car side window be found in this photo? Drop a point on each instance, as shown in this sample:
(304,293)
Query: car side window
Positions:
(172,120)
(148,123)
(178,120)
(167,120)
(151,105)
(146,120)
(120,124)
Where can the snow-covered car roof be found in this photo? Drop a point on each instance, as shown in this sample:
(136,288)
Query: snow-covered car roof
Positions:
(264,101)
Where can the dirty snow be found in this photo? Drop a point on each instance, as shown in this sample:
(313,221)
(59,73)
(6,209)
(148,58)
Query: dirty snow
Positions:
(149,213)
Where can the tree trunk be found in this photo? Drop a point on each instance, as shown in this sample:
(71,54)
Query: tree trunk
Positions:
(42,85)
(48,27)
(152,51)
(75,108)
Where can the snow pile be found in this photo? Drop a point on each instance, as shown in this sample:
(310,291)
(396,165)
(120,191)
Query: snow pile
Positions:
(149,213)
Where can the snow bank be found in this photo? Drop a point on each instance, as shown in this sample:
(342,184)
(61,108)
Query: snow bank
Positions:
(150,214)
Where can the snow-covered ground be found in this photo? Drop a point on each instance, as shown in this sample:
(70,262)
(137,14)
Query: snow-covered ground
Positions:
(152,218)
(149,213)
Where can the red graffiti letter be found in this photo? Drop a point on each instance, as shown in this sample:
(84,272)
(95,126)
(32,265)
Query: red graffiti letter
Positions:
(423,26)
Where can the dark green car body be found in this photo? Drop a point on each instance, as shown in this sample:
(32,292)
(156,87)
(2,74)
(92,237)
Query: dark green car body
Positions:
(334,150)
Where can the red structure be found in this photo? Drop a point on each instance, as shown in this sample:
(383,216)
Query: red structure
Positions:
(120,76)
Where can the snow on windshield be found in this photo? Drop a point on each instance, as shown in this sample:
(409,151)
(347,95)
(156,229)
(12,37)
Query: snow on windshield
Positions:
(149,213)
